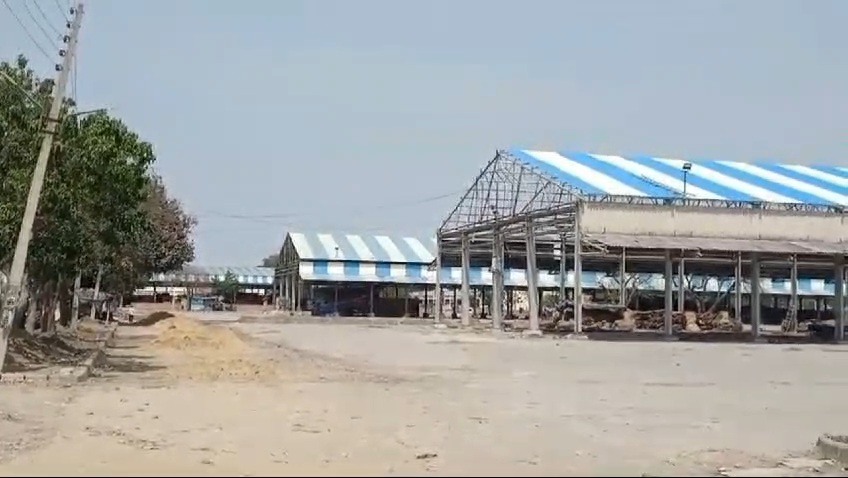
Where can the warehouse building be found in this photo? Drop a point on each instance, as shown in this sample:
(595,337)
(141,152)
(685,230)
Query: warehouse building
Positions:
(762,224)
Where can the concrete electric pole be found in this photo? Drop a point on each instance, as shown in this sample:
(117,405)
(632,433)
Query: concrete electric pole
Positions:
(16,274)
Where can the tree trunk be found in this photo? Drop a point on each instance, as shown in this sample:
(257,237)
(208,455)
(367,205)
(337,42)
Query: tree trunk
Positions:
(23,305)
(65,305)
(32,313)
(94,303)
(47,306)
(75,302)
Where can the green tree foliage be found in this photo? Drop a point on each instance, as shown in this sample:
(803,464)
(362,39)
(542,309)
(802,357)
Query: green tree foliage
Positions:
(102,204)
(227,288)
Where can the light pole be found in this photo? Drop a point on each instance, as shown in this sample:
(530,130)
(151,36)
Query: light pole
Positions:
(685,168)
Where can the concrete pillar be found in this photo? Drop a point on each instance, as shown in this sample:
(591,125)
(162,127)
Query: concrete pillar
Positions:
(756,309)
(295,295)
(335,300)
(466,281)
(497,281)
(299,305)
(563,271)
(453,303)
(288,296)
(839,299)
(793,295)
(669,293)
(578,269)
(371,300)
(622,279)
(437,294)
(737,296)
(532,276)
(681,285)
(426,300)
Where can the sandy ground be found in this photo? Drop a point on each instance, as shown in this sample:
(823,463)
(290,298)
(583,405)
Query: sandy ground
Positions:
(264,398)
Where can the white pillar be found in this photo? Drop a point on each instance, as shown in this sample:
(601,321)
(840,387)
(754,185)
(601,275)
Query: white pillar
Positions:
(681,285)
(622,279)
(669,292)
(465,296)
(738,287)
(756,309)
(437,294)
(563,271)
(497,281)
(793,294)
(578,268)
(839,299)
(532,276)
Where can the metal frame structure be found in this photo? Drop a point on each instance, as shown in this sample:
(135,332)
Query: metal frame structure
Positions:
(514,213)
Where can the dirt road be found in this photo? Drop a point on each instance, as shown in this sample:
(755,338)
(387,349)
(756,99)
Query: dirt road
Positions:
(272,399)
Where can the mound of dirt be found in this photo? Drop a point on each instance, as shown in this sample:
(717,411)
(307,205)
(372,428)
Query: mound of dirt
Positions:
(28,353)
(152,319)
(182,333)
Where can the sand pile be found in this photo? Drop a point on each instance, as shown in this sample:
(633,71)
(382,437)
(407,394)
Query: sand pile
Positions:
(210,352)
(182,333)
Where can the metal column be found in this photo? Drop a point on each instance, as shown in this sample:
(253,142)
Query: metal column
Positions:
(371,300)
(563,272)
(793,296)
(756,308)
(622,279)
(532,276)
(737,299)
(578,269)
(669,292)
(681,285)
(839,299)
(466,281)
(287,299)
(497,281)
(437,293)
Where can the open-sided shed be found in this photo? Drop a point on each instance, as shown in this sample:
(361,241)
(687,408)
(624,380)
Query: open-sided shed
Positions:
(646,214)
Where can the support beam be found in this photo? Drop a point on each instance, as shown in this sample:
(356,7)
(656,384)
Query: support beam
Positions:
(371,300)
(622,279)
(497,282)
(792,319)
(466,281)
(563,271)
(839,299)
(681,285)
(756,305)
(737,299)
(669,293)
(532,277)
(578,270)
(437,294)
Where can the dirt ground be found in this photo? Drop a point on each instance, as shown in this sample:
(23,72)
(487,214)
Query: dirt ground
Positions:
(264,398)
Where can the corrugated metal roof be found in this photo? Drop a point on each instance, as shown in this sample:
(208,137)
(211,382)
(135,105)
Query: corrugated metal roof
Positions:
(641,241)
(208,274)
(647,176)
(364,248)
(337,272)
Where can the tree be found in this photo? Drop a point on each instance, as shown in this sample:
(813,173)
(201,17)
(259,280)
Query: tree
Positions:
(102,207)
(228,287)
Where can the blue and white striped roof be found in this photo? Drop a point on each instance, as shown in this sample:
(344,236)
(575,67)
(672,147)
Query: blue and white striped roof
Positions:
(639,175)
(361,272)
(207,275)
(364,248)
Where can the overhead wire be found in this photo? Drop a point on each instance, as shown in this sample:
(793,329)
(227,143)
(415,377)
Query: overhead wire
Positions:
(46,18)
(27,32)
(295,215)
(50,39)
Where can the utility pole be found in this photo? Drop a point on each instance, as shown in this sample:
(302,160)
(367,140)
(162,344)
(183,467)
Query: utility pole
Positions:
(16,274)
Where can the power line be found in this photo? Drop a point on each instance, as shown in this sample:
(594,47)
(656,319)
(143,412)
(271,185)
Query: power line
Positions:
(50,39)
(46,19)
(392,205)
(61,9)
(27,32)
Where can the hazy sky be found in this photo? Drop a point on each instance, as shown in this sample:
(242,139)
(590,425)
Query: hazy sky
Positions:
(347,115)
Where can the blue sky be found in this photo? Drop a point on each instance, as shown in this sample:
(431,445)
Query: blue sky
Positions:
(337,116)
